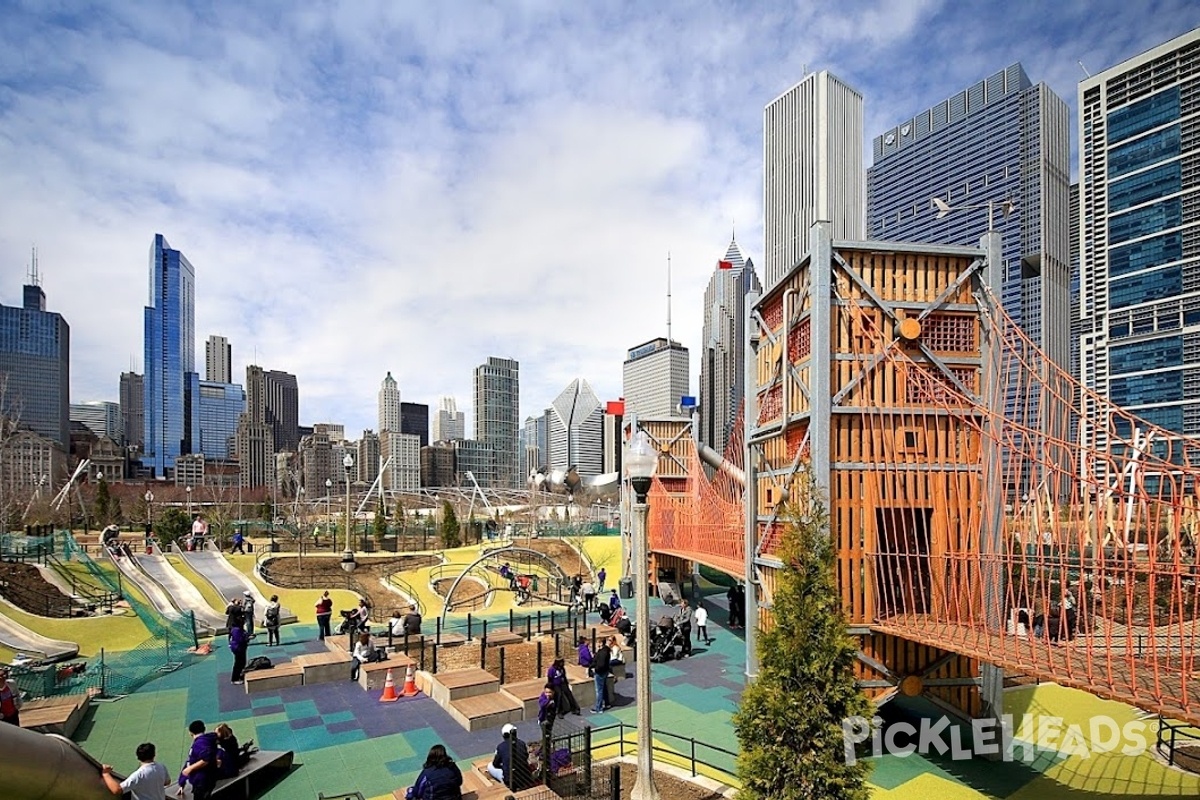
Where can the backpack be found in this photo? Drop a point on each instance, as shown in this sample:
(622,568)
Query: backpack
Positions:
(258,662)
(272,615)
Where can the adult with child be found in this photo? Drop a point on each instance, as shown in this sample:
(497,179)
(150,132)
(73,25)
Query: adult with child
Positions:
(440,778)
(148,782)
(271,620)
(510,765)
(200,769)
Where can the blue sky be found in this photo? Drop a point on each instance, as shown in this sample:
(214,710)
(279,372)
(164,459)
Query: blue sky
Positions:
(411,187)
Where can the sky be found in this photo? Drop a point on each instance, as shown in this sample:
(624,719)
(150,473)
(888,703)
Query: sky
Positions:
(365,187)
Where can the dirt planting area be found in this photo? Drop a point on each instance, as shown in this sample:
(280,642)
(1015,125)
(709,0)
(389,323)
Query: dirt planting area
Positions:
(325,572)
(561,552)
(23,586)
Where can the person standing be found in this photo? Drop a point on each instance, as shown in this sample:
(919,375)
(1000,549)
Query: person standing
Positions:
(589,595)
(239,543)
(324,614)
(741,605)
(201,767)
(731,597)
(10,699)
(148,782)
(601,577)
(683,621)
(701,618)
(271,620)
(556,679)
(238,641)
(248,607)
(234,616)
(600,670)
(547,709)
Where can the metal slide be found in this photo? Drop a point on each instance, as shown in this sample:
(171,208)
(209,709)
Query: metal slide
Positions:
(180,590)
(17,637)
(211,565)
(46,766)
(156,594)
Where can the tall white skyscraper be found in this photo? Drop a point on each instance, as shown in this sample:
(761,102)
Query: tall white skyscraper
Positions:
(655,377)
(1139,242)
(389,405)
(812,168)
(575,430)
(218,360)
(722,357)
(448,422)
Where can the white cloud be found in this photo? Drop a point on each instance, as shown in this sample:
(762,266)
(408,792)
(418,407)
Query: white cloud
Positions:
(381,186)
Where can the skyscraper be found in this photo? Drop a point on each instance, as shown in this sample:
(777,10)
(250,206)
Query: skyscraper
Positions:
(133,403)
(414,420)
(102,417)
(723,353)
(1139,239)
(255,436)
(219,408)
(812,168)
(1003,139)
(35,365)
(170,356)
(575,430)
(450,423)
(283,410)
(218,360)
(389,405)
(497,417)
(654,377)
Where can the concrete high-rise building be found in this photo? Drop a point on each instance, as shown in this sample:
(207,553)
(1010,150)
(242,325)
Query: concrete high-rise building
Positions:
(449,423)
(1002,140)
(723,349)
(402,454)
(255,435)
(614,439)
(575,430)
(367,458)
(102,417)
(437,465)
(389,405)
(655,378)
(498,417)
(218,360)
(414,420)
(1139,241)
(283,410)
(133,415)
(35,365)
(170,358)
(477,458)
(812,168)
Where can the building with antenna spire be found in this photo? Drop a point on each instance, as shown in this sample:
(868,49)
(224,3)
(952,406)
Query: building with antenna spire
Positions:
(655,376)
(722,355)
(35,358)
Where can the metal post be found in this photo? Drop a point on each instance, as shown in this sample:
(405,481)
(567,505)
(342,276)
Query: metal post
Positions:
(750,493)
(540,671)
(528,628)
(469,636)
(502,681)
(643,786)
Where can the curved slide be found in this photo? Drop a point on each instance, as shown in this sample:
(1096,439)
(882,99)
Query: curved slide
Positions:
(229,583)
(180,590)
(17,637)
(46,766)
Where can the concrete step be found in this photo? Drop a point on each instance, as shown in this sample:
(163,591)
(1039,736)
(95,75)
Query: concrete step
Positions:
(462,683)
(484,711)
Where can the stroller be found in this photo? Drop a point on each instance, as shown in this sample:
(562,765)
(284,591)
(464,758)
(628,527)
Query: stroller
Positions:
(349,622)
(666,641)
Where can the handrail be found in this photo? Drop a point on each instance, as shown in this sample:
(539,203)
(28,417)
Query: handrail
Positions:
(726,777)
(1178,730)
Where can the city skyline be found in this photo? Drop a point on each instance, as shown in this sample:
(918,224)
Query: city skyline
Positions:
(647,140)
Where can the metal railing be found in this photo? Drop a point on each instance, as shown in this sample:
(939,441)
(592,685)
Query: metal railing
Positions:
(694,754)
(1173,734)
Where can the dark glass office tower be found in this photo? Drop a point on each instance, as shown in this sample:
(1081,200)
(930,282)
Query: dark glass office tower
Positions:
(170,357)
(35,374)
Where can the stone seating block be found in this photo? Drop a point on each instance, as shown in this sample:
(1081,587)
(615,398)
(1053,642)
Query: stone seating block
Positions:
(281,676)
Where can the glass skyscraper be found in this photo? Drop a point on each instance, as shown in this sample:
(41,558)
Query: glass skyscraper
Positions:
(35,368)
(170,358)
(220,407)
(498,419)
(1139,238)
(1004,139)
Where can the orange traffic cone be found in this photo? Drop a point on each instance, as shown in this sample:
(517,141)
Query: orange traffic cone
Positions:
(389,689)
(410,683)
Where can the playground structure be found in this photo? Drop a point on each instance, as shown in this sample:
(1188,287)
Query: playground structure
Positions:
(975,534)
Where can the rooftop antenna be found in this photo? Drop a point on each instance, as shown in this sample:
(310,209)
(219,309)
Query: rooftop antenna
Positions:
(668,298)
(735,230)
(1085,69)
(33,272)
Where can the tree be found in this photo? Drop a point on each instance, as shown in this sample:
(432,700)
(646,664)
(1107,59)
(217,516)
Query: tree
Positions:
(102,504)
(449,532)
(172,525)
(791,717)
(379,527)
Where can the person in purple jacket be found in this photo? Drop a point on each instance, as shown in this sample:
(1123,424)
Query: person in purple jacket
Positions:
(201,767)
(547,710)
(238,641)
(564,698)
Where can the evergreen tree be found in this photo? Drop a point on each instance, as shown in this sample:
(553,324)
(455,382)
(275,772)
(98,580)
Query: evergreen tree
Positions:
(172,525)
(379,527)
(449,532)
(790,720)
(101,505)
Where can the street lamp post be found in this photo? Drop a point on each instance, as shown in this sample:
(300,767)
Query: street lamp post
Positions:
(328,497)
(348,562)
(189,496)
(640,461)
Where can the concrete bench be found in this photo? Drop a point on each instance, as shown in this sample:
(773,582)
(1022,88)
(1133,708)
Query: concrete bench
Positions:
(582,687)
(526,693)
(483,711)
(461,683)
(60,715)
(281,676)
(263,769)
(501,638)
(328,667)
(372,676)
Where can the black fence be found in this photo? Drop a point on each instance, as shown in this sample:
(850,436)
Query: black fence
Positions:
(698,757)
